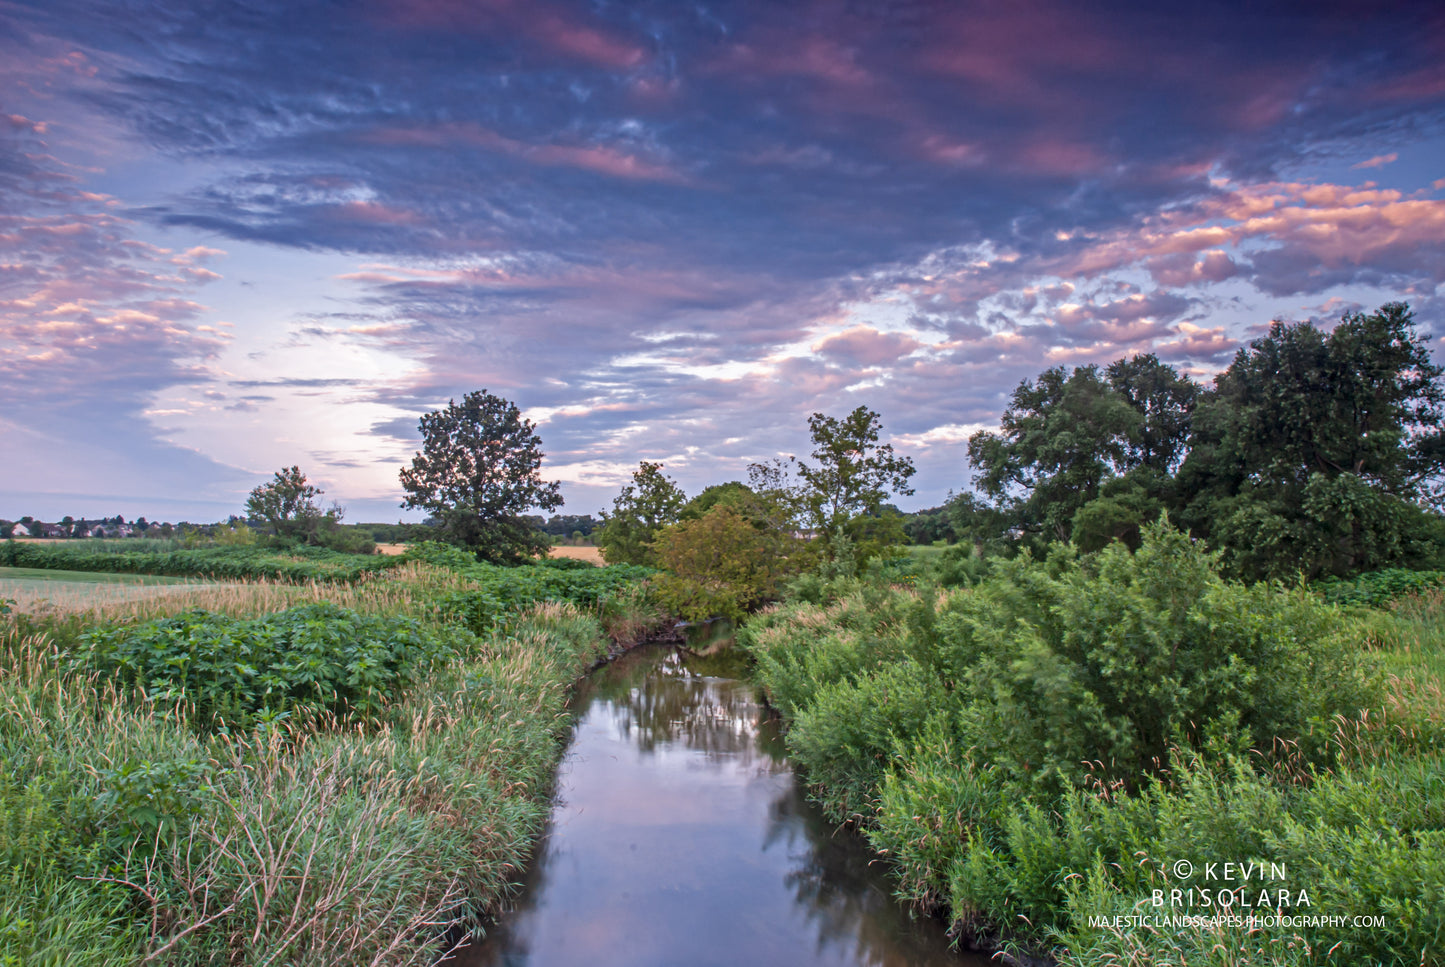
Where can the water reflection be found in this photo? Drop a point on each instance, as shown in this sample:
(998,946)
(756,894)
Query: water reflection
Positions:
(681,837)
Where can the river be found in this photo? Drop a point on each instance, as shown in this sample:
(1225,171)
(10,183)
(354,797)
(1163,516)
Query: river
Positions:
(681,838)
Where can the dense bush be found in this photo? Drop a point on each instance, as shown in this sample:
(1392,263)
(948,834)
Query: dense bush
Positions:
(129,836)
(1038,748)
(237,671)
(498,592)
(1380,587)
(723,564)
(1076,668)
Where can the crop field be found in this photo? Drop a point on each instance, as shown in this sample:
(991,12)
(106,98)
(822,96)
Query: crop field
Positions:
(592,555)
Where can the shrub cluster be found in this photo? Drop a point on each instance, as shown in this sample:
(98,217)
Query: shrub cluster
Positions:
(313,658)
(497,592)
(1379,588)
(1032,749)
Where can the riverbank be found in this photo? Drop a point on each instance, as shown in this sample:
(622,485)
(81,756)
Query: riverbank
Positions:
(1078,758)
(173,824)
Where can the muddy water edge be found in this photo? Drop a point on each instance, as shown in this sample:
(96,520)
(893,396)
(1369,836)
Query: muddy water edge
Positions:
(680,835)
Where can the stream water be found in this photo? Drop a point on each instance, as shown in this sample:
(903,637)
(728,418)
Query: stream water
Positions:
(681,837)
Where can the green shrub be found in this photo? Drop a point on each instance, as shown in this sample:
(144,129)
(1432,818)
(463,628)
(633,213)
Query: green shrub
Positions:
(498,593)
(1076,669)
(844,738)
(1379,588)
(723,564)
(1032,749)
(311,658)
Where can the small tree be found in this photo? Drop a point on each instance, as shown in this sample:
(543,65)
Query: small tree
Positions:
(844,491)
(644,507)
(287,504)
(477,473)
(724,563)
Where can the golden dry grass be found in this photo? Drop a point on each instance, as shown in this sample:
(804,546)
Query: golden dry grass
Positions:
(402,589)
(391,548)
(592,554)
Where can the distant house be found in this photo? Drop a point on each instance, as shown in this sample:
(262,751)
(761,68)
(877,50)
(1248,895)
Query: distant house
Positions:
(49,530)
(20,530)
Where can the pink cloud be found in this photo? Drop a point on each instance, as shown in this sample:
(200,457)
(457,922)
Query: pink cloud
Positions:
(539,22)
(1185,269)
(603,159)
(1337,225)
(377,214)
(1378,161)
(21,123)
(865,346)
(1004,46)
(586,43)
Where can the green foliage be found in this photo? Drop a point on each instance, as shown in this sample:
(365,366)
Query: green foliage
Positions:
(844,490)
(477,475)
(1032,748)
(1316,453)
(845,735)
(495,594)
(297,565)
(930,525)
(1313,450)
(126,834)
(1119,513)
(1061,438)
(287,503)
(723,564)
(651,502)
(1378,588)
(240,672)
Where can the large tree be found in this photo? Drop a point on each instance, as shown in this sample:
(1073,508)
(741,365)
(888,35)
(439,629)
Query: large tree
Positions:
(844,490)
(1317,451)
(1061,438)
(1165,403)
(477,475)
(287,503)
(645,506)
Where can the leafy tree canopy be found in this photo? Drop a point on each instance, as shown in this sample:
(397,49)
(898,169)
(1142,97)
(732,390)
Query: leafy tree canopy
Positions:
(1061,438)
(843,491)
(724,564)
(477,474)
(287,503)
(1315,451)
(652,501)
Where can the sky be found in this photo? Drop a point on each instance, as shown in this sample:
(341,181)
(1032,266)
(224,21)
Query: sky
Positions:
(237,237)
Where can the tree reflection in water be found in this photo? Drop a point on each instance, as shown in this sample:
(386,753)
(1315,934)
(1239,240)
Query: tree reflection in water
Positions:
(681,837)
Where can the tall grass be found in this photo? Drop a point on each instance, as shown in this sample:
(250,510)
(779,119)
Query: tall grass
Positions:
(129,836)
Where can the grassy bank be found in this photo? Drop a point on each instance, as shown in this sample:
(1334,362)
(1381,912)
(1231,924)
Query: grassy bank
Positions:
(291,775)
(1040,752)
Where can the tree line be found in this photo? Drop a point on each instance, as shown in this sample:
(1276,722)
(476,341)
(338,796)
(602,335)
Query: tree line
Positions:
(1315,453)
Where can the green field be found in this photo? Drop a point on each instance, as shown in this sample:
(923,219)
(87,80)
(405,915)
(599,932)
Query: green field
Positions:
(28,584)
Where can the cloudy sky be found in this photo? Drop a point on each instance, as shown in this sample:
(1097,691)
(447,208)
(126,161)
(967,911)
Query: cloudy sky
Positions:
(234,237)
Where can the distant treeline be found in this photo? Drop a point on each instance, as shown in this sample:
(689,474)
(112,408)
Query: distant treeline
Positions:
(561,525)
